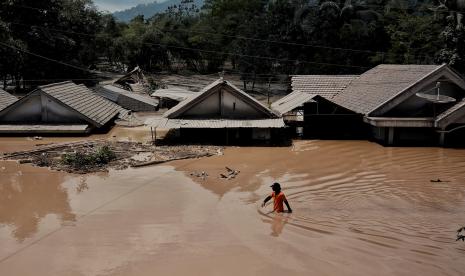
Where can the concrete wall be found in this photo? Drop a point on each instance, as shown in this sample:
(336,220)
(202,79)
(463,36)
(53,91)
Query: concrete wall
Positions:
(225,105)
(209,107)
(55,113)
(234,107)
(29,111)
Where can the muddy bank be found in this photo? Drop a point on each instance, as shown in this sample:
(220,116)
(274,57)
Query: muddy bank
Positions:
(90,156)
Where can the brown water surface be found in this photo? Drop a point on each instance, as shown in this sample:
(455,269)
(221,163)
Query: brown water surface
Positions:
(359,209)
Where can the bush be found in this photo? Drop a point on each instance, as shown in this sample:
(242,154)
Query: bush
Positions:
(102,156)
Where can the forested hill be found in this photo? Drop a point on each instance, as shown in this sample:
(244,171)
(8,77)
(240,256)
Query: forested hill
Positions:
(148,10)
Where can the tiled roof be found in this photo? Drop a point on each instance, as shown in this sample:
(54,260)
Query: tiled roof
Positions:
(6,99)
(195,98)
(451,110)
(380,84)
(128,99)
(96,109)
(326,86)
(442,118)
(216,123)
(292,101)
(176,94)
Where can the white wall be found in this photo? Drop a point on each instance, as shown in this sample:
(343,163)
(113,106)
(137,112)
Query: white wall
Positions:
(223,104)
(39,108)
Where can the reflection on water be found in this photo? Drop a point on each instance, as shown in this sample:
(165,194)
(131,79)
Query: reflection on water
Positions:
(27,197)
(82,186)
(277,222)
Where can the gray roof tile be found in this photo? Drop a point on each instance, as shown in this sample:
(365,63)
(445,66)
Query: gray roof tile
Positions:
(78,97)
(6,99)
(292,101)
(380,84)
(326,86)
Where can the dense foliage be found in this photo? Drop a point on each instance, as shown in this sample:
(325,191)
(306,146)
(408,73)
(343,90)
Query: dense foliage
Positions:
(255,38)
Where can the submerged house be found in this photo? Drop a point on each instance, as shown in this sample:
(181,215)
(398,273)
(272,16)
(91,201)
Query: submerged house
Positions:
(304,89)
(127,99)
(394,104)
(60,108)
(224,114)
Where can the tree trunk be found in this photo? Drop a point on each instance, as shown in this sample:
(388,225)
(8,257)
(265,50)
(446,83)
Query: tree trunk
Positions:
(253,81)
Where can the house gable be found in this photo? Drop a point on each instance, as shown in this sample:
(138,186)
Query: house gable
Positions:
(39,108)
(220,100)
(406,101)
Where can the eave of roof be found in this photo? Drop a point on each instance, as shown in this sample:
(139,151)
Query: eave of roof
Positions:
(292,101)
(165,123)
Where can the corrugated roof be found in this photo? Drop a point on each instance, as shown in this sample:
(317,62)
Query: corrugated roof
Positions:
(98,110)
(194,99)
(326,86)
(380,84)
(292,101)
(176,94)
(6,99)
(213,123)
(114,93)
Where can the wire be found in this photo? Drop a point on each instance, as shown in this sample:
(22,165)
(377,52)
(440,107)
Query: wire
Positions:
(46,58)
(252,39)
(225,53)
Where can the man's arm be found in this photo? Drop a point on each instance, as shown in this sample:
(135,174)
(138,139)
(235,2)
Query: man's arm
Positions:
(288,207)
(266,200)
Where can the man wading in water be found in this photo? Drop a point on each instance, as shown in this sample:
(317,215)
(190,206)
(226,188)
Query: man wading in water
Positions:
(278,198)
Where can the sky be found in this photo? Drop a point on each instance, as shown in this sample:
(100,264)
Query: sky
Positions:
(117,5)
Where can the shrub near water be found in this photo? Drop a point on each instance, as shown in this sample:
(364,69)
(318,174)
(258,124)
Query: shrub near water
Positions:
(102,156)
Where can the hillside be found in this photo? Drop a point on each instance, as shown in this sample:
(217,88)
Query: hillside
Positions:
(148,10)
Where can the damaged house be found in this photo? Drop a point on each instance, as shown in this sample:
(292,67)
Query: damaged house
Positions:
(222,113)
(60,108)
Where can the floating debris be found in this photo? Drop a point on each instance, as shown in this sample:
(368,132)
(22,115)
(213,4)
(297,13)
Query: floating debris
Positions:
(459,234)
(231,174)
(202,175)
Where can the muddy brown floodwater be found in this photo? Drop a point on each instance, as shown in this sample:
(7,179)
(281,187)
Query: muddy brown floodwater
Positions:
(359,209)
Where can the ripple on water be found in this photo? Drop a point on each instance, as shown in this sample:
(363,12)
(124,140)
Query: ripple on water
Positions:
(381,199)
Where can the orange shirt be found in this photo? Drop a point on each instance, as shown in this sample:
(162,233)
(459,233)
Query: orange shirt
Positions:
(278,201)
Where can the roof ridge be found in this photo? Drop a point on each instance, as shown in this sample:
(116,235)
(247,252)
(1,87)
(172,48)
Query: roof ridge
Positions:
(55,84)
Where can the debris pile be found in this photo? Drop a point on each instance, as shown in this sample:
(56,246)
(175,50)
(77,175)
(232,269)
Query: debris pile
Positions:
(460,236)
(100,155)
(202,175)
(231,174)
